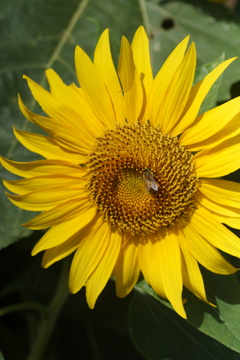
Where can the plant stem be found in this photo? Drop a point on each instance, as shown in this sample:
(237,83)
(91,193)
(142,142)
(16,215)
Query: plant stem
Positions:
(48,322)
(27,306)
(143,9)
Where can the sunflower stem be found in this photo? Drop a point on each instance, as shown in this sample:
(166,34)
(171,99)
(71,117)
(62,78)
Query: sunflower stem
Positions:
(48,322)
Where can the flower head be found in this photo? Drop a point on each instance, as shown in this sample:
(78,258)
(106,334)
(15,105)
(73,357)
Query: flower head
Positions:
(129,182)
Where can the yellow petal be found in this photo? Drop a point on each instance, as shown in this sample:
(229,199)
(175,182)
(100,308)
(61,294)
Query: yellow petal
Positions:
(219,161)
(60,130)
(221,188)
(232,222)
(141,57)
(215,233)
(73,99)
(178,92)
(66,121)
(192,277)
(127,269)
(102,273)
(218,208)
(94,88)
(41,167)
(221,192)
(60,252)
(67,247)
(163,80)
(38,120)
(197,95)
(171,271)
(209,124)
(132,88)
(206,254)
(47,147)
(43,200)
(150,267)
(160,263)
(57,235)
(104,63)
(88,256)
(47,182)
(60,213)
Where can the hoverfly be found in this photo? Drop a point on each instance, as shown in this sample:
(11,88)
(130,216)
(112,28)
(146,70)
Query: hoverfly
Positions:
(150,182)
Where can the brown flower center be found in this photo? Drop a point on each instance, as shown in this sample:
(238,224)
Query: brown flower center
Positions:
(141,179)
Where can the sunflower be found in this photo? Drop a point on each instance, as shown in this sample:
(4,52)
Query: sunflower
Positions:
(130,182)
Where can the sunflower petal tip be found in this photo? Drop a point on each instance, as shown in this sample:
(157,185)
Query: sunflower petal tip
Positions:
(106,31)
(181,311)
(213,305)
(45,266)
(26,225)
(19,99)
(91,303)
(72,287)
(34,251)
(141,28)
(49,71)
(78,49)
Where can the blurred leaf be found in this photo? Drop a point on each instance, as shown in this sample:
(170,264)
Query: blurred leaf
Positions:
(29,44)
(210,27)
(160,334)
(36,35)
(223,323)
(11,220)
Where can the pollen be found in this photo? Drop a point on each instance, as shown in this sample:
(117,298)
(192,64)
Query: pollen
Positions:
(140,179)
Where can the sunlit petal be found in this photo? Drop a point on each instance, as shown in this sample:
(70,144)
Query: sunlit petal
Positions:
(101,275)
(131,84)
(127,269)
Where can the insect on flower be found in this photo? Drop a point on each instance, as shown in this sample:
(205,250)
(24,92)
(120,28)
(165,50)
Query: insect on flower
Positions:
(150,182)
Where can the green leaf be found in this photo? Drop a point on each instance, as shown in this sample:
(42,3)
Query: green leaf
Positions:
(209,26)
(36,36)
(223,323)
(160,334)
(30,42)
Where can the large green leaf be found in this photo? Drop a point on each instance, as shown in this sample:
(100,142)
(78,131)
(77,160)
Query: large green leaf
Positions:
(160,334)
(221,323)
(36,35)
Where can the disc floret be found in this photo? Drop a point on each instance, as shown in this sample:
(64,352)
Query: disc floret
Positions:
(141,179)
